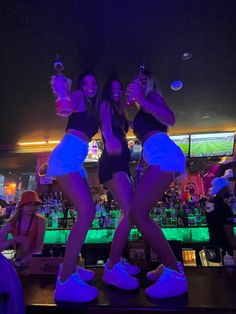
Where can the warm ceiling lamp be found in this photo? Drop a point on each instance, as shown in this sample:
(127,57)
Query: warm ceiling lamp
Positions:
(38,143)
(37,146)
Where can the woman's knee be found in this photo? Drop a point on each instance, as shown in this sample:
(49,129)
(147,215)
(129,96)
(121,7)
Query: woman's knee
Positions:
(87,213)
(135,214)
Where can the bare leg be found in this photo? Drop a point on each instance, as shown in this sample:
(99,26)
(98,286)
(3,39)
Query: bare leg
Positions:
(77,190)
(150,189)
(122,191)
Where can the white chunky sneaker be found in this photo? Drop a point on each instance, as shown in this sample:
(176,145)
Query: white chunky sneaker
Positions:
(119,277)
(170,284)
(130,268)
(74,289)
(85,274)
(155,274)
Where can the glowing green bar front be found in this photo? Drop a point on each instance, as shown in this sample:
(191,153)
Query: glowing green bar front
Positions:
(186,235)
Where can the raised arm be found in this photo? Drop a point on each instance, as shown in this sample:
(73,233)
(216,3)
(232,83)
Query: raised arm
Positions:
(152,103)
(157,107)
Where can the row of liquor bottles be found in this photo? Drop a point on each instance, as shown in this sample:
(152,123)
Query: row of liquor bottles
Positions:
(170,211)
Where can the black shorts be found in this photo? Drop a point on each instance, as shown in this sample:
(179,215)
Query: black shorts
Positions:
(107,164)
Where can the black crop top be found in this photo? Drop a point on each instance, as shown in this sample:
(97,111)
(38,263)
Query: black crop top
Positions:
(144,123)
(85,121)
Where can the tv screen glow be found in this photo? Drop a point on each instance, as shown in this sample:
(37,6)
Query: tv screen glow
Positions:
(182,141)
(212,144)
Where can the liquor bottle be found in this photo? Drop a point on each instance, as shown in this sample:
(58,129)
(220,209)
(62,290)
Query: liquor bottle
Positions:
(54,217)
(228,260)
(107,220)
(131,101)
(101,221)
(61,86)
(58,66)
(94,150)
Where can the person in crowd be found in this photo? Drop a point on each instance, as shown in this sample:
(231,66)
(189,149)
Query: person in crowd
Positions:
(3,214)
(11,291)
(66,165)
(226,168)
(27,229)
(164,161)
(113,171)
(220,217)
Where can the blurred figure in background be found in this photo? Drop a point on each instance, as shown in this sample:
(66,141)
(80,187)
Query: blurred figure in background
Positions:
(11,292)
(27,229)
(220,217)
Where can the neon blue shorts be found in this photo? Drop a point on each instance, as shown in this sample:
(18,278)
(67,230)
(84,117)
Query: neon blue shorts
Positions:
(68,157)
(161,151)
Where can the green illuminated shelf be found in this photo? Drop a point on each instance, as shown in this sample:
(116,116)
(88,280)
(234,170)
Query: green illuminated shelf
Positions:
(103,235)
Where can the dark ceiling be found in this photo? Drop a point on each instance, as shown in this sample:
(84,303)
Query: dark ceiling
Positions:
(11,164)
(116,36)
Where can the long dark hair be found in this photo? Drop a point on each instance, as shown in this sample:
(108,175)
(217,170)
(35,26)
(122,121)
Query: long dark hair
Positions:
(107,95)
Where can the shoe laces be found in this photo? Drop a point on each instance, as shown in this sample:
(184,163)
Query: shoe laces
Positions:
(121,269)
(124,261)
(79,280)
(180,267)
(164,276)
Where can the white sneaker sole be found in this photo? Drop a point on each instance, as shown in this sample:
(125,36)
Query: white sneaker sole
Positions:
(109,283)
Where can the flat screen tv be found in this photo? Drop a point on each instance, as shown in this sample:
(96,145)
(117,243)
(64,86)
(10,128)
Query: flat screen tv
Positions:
(183,142)
(212,144)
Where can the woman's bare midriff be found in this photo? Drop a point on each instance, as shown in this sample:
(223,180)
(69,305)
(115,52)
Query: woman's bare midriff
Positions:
(79,134)
(148,135)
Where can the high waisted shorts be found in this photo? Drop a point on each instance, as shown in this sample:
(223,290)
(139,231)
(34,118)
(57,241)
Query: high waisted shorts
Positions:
(161,151)
(68,156)
(109,164)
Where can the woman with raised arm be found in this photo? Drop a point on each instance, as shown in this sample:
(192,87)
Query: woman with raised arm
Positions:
(66,164)
(165,161)
(114,173)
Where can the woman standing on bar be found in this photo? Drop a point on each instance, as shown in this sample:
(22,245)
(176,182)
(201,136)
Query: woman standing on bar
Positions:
(66,164)
(165,161)
(113,172)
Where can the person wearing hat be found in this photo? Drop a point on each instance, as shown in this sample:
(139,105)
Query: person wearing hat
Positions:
(27,229)
(3,205)
(220,217)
